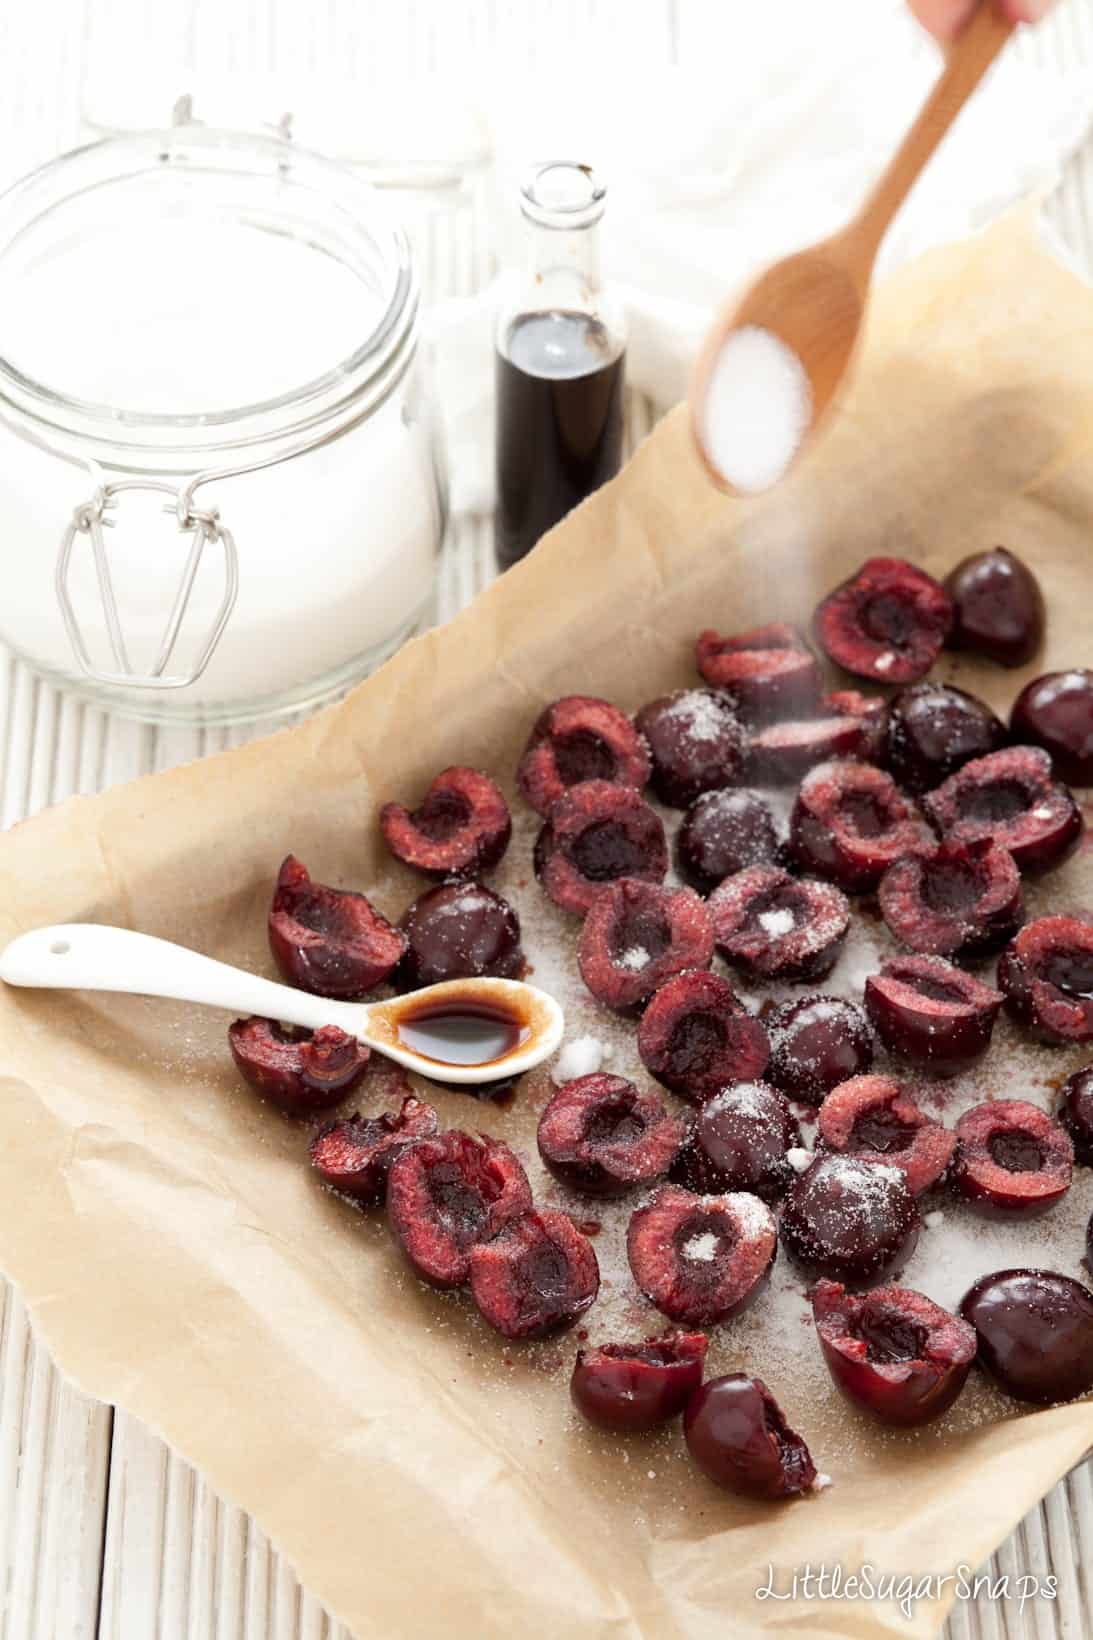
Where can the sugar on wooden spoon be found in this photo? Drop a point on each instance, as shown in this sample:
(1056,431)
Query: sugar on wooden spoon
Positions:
(772,364)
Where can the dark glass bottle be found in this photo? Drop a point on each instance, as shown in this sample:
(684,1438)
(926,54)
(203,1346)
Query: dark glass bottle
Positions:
(560,345)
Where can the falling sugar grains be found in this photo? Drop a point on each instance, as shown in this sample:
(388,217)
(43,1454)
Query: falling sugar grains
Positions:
(757,409)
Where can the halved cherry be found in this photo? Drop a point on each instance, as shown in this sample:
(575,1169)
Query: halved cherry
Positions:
(876,1119)
(767,673)
(354,1156)
(849,1219)
(1076,1114)
(887,622)
(636,936)
(596,834)
(964,899)
(724,832)
(741,1140)
(448,1193)
(931,1013)
(536,1277)
(817,1043)
(701,1259)
(1046,976)
(738,1436)
(631,1388)
(696,744)
(300,1071)
(846,725)
(933,729)
(850,822)
(575,739)
(459,829)
(600,1135)
(770,924)
(893,1352)
(1012,798)
(329,941)
(1013,1159)
(696,1036)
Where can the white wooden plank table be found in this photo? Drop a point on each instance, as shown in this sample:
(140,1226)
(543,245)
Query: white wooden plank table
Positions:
(103,1531)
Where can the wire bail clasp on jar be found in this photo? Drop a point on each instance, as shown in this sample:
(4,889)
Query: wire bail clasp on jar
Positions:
(88,523)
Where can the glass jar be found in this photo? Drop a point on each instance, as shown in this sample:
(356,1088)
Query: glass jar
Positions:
(214,426)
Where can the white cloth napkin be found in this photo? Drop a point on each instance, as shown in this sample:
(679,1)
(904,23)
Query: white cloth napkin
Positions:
(713,174)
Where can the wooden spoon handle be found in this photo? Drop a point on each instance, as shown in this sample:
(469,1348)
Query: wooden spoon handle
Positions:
(969,57)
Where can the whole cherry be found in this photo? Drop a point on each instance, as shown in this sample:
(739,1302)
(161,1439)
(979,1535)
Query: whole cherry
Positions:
(998,608)
(1056,712)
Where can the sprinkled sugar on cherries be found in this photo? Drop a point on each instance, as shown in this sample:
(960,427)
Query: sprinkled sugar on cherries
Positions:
(851,1220)
(598,833)
(741,1140)
(536,1277)
(846,724)
(816,1044)
(723,833)
(459,931)
(354,1156)
(768,673)
(1012,799)
(696,1036)
(701,1259)
(636,936)
(850,822)
(1013,1160)
(775,926)
(580,738)
(962,900)
(460,828)
(1046,976)
(447,1194)
(875,1119)
(600,1135)
(695,742)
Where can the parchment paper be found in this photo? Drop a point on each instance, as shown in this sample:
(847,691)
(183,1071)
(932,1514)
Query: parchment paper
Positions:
(423,1478)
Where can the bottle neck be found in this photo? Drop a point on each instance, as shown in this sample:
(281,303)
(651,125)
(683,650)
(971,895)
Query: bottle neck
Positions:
(563,266)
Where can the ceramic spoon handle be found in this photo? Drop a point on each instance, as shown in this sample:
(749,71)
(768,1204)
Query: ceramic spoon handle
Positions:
(89,957)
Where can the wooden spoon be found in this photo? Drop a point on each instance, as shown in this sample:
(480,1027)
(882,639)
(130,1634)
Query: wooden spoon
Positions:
(814,302)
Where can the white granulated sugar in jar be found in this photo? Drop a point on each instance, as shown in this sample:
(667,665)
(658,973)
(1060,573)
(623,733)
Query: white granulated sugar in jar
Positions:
(757,410)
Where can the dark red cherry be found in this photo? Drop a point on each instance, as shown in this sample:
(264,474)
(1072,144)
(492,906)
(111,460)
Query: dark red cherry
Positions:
(723,833)
(636,936)
(448,1193)
(1076,1114)
(933,729)
(700,1259)
(1056,712)
(846,724)
(816,1044)
(998,608)
(330,941)
(1011,798)
(875,1119)
(536,1277)
(737,1434)
(1035,1331)
(459,931)
(769,673)
(599,1135)
(851,1220)
(931,1013)
(887,622)
(302,1072)
(740,1141)
(354,1156)
(1046,976)
(696,1036)
(893,1352)
(580,738)
(850,822)
(461,827)
(631,1388)
(1012,1159)
(695,741)
(963,900)
(774,926)
(597,834)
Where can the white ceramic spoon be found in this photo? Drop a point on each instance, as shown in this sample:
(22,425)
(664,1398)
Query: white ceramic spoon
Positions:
(492,1028)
